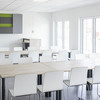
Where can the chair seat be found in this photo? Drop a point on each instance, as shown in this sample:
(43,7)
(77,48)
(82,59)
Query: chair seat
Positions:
(67,82)
(12,92)
(90,80)
(40,87)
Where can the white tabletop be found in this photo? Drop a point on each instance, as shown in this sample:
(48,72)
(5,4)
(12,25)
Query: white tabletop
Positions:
(25,52)
(67,66)
(40,68)
(13,70)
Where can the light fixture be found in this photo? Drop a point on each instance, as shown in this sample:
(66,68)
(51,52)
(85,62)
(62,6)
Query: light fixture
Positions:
(40,0)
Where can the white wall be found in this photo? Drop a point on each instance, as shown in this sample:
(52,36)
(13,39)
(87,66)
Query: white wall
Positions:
(73,15)
(39,23)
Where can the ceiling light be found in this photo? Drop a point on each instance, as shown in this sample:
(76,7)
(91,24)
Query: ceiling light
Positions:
(40,0)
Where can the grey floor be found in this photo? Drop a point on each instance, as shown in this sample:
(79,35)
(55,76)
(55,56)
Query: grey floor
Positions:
(87,95)
(72,95)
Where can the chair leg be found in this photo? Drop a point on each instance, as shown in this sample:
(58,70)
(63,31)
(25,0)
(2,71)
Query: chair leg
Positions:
(34,96)
(98,90)
(90,95)
(63,94)
(77,92)
(68,93)
(82,91)
(29,97)
(12,98)
(9,98)
(39,96)
(53,96)
(42,96)
(8,95)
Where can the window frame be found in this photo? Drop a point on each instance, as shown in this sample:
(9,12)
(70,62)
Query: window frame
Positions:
(55,34)
(93,33)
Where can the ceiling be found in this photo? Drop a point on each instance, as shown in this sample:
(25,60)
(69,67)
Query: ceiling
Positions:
(49,6)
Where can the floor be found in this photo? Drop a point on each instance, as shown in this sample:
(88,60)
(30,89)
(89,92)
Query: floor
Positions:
(74,91)
(73,94)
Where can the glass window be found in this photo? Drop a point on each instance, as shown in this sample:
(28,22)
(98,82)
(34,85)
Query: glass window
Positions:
(87,35)
(66,35)
(97,35)
(59,34)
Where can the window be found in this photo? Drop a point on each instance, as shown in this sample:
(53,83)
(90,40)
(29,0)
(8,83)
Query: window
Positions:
(61,33)
(98,35)
(87,36)
(90,35)
(66,35)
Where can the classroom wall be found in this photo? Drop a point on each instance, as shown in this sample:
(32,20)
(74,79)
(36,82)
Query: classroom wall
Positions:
(35,26)
(73,15)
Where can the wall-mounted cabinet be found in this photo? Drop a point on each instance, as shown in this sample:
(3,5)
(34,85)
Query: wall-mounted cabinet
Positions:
(10,23)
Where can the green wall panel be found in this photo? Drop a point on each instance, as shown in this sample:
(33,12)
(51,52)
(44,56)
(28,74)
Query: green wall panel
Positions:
(6,15)
(10,23)
(6,25)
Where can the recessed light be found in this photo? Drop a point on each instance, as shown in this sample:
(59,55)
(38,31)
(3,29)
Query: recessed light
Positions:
(40,0)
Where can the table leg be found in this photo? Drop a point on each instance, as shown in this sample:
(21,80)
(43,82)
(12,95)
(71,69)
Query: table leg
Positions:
(3,88)
(69,54)
(39,79)
(47,94)
(59,95)
(90,75)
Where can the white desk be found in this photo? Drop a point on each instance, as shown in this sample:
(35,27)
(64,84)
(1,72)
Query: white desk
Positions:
(13,70)
(26,52)
(67,66)
(40,68)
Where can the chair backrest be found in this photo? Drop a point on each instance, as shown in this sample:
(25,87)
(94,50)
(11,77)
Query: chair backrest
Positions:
(34,56)
(15,57)
(81,56)
(32,48)
(73,53)
(62,56)
(78,76)
(25,60)
(45,59)
(94,56)
(54,48)
(63,52)
(44,48)
(2,55)
(4,49)
(47,53)
(25,84)
(5,61)
(53,81)
(18,49)
(96,74)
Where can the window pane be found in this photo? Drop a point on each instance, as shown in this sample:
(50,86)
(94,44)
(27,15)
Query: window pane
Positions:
(98,35)
(66,35)
(59,35)
(87,36)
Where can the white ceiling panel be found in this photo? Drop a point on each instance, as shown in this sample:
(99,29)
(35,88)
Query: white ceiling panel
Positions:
(4,3)
(49,6)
